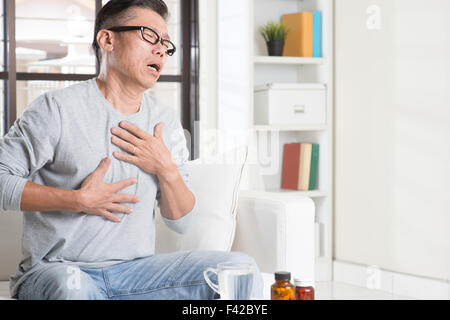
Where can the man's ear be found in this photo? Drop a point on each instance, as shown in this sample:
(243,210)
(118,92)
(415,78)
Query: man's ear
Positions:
(105,40)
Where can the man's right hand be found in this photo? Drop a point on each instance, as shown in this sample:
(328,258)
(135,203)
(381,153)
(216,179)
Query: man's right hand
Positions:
(99,198)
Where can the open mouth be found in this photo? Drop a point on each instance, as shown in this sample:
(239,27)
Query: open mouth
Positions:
(155,67)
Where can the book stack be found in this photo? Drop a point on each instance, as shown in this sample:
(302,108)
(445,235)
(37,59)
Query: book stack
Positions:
(304,38)
(300,162)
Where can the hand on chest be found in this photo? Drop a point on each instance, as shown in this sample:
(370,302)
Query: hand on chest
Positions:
(130,146)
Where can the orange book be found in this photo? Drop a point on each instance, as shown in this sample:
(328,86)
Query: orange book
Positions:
(291,166)
(299,40)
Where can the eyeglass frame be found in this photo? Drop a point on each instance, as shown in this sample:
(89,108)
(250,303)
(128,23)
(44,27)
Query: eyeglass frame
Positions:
(169,52)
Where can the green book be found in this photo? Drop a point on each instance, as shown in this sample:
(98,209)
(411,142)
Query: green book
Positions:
(314,165)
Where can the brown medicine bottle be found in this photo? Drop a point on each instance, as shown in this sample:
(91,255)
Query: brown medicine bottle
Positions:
(304,289)
(282,289)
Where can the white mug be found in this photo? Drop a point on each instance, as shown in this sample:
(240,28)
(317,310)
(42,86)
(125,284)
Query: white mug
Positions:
(235,280)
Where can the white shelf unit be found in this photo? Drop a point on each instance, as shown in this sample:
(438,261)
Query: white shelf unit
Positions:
(299,127)
(266,69)
(287,60)
(309,193)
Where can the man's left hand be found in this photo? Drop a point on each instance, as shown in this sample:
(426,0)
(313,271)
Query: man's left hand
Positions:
(147,152)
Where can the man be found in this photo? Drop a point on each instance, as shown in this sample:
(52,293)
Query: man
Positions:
(87,162)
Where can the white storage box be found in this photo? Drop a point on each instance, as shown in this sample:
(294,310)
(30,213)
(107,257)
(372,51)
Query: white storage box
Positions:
(282,103)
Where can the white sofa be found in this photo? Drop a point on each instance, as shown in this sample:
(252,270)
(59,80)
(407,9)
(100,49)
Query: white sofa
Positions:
(278,231)
(275,228)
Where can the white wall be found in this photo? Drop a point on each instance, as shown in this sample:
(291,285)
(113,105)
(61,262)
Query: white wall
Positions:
(392,135)
(233,73)
(208,77)
(224,75)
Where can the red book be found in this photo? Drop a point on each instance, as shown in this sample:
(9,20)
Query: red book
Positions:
(291,166)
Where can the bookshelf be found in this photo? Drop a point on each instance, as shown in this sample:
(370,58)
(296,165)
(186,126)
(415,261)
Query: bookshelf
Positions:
(265,69)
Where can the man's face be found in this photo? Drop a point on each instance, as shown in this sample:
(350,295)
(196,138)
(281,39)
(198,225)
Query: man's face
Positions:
(133,55)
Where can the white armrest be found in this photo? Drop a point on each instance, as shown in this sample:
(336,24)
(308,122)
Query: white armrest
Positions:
(277,229)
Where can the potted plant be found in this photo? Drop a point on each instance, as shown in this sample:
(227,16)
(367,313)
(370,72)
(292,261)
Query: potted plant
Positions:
(274,34)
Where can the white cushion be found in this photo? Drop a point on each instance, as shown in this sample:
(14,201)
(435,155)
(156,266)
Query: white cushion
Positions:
(215,182)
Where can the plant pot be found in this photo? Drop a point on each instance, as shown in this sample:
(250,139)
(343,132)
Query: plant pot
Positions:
(275,47)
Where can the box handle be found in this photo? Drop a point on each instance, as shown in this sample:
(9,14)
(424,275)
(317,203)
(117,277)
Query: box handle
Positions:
(299,108)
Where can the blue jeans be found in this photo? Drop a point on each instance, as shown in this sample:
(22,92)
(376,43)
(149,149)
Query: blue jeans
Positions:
(170,276)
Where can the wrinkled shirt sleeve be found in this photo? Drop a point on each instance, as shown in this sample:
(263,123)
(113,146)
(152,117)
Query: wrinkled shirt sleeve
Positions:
(28,146)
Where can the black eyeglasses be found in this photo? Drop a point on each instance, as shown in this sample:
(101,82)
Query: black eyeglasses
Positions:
(149,35)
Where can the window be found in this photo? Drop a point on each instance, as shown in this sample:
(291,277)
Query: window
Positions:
(46,45)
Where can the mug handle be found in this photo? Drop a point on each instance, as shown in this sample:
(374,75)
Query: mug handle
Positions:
(213,286)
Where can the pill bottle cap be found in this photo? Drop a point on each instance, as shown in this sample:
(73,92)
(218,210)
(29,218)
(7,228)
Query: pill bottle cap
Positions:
(303,282)
(282,275)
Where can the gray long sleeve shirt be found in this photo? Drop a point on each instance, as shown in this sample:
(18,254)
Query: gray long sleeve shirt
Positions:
(59,141)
